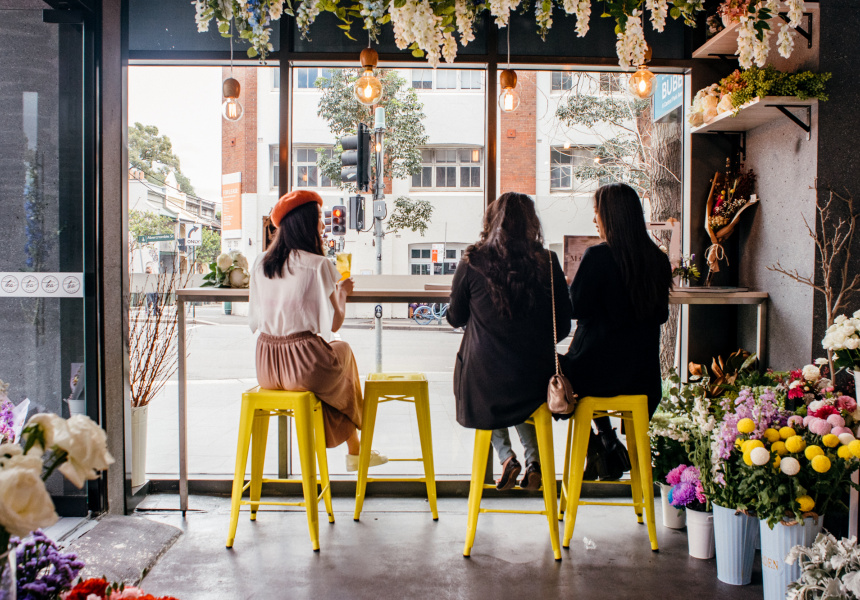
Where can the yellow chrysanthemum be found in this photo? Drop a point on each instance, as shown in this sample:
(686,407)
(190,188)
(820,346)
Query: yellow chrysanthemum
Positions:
(806,503)
(746,425)
(844,453)
(786,432)
(779,448)
(795,444)
(739,442)
(776,460)
(813,451)
(830,440)
(821,464)
(748,459)
(854,447)
(771,434)
(750,445)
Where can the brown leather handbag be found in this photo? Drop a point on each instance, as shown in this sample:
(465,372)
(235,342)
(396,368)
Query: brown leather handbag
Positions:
(559,394)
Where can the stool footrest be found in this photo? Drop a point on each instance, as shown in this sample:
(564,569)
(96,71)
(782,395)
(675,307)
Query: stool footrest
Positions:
(618,482)
(583,503)
(378,479)
(405,460)
(268,503)
(513,512)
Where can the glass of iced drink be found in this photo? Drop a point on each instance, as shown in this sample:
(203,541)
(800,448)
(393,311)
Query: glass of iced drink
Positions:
(344,264)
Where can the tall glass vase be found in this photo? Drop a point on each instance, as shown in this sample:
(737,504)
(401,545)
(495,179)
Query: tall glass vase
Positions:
(8,582)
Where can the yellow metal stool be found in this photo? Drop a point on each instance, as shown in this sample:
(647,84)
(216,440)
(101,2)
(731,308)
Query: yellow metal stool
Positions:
(633,410)
(258,405)
(543,426)
(401,387)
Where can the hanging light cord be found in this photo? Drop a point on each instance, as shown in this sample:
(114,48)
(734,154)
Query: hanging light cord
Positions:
(509,45)
(231,48)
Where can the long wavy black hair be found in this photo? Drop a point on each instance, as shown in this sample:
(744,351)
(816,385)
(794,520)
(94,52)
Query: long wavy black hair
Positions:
(298,230)
(510,254)
(645,269)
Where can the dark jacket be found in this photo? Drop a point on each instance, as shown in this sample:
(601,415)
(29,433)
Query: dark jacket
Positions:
(612,353)
(504,365)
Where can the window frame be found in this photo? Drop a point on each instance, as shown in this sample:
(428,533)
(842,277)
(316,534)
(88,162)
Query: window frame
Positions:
(296,165)
(565,76)
(458,79)
(576,184)
(297,87)
(457,165)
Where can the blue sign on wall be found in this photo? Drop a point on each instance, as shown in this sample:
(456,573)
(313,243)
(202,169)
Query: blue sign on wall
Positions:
(668,94)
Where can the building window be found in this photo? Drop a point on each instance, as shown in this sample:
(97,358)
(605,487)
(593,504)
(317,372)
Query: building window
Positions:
(470,80)
(446,79)
(610,82)
(307,172)
(422,79)
(561,81)
(306,77)
(274,180)
(421,258)
(563,161)
(449,168)
(276,78)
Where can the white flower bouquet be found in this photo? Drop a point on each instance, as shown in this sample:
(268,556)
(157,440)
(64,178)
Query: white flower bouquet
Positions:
(228,270)
(77,447)
(830,568)
(843,338)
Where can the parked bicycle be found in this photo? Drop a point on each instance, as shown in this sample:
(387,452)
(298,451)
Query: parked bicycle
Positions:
(424,315)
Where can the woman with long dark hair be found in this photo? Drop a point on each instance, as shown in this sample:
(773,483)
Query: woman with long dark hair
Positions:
(620,297)
(502,291)
(297,302)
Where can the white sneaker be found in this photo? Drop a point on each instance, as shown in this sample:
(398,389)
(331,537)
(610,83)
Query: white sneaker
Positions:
(376,459)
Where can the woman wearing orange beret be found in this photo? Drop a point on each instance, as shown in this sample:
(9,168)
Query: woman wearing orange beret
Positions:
(297,302)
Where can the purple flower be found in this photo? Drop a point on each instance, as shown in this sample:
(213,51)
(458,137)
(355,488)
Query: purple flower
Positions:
(683,494)
(7,434)
(690,475)
(43,570)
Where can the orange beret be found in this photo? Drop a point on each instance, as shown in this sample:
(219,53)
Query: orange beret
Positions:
(290,201)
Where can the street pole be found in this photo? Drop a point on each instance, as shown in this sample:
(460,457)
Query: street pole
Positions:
(379,211)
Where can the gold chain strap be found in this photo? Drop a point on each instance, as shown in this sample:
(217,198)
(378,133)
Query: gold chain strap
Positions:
(552,295)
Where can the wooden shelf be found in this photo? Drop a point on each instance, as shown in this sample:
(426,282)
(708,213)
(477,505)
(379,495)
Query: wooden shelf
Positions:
(757,111)
(725,43)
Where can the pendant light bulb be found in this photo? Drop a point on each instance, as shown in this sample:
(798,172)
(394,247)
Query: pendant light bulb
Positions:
(231,108)
(641,83)
(509,99)
(368,88)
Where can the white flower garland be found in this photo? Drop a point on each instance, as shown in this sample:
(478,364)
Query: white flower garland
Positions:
(631,45)
(501,10)
(464,17)
(659,10)
(785,40)
(543,16)
(582,10)
(306,14)
(415,23)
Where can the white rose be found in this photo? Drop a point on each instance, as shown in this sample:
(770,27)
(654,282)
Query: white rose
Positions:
(241,261)
(224,261)
(837,340)
(856,314)
(86,446)
(51,425)
(725,104)
(852,343)
(239,278)
(12,456)
(820,361)
(25,504)
(840,319)
(848,330)
(811,373)
(815,405)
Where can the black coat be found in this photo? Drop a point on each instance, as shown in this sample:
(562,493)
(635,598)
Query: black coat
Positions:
(503,365)
(612,353)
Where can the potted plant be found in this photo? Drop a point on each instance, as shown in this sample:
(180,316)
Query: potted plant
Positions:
(829,568)
(687,272)
(668,434)
(688,492)
(843,340)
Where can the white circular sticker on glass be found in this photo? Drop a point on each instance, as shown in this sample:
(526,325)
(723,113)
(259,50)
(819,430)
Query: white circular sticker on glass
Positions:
(71,285)
(9,284)
(50,284)
(30,284)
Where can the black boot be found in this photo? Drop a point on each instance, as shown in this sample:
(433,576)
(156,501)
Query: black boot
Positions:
(595,462)
(615,461)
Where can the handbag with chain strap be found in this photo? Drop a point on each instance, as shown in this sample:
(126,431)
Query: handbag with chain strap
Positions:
(559,394)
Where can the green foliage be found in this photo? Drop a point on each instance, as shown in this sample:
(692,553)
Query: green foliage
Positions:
(210,247)
(755,82)
(404,118)
(153,154)
(414,215)
(666,454)
(147,223)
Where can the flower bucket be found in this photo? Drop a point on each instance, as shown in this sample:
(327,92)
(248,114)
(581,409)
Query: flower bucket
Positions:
(138,445)
(673,517)
(775,546)
(8,580)
(77,407)
(734,538)
(700,534)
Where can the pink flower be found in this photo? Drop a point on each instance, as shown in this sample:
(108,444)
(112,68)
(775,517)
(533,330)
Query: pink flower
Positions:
(846,403)
(819,426)
(126,593)
(836,421)
(795,421)
(807,419)
(840,430)
(825,411)
(674,476)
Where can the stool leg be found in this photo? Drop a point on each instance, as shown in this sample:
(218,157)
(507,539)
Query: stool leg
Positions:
(564,473)
(476,489)
(259,433)
(246,419)
(543,426)
(581,432)
(640,420)
(422,409)
(635,479)
(304,436)
(322,459)
(368,421)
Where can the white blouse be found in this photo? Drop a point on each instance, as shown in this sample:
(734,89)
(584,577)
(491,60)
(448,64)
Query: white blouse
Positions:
(298,301)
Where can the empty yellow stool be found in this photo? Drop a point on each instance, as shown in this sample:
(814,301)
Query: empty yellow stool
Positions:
(633,410)
(258,405)
(543,426)
(400,387)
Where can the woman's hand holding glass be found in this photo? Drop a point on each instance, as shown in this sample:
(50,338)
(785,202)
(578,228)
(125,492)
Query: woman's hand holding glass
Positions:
(346,286)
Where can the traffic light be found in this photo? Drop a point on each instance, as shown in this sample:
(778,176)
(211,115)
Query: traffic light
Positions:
(355,159)
(327,221)
(338,220)
(356,212)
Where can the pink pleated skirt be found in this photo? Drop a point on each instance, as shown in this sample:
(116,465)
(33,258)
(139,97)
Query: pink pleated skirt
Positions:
(306,362)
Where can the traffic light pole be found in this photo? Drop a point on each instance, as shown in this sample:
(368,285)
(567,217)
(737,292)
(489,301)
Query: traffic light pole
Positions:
(378,207)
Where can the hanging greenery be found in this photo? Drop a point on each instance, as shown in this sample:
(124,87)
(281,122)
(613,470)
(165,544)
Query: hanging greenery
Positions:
(434,28)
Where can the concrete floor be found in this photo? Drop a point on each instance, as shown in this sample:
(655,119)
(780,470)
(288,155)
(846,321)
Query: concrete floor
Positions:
(397,551)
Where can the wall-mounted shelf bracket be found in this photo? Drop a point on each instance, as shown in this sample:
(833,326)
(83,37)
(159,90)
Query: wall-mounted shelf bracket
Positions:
(742,141)
(801,30)
(807,127)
